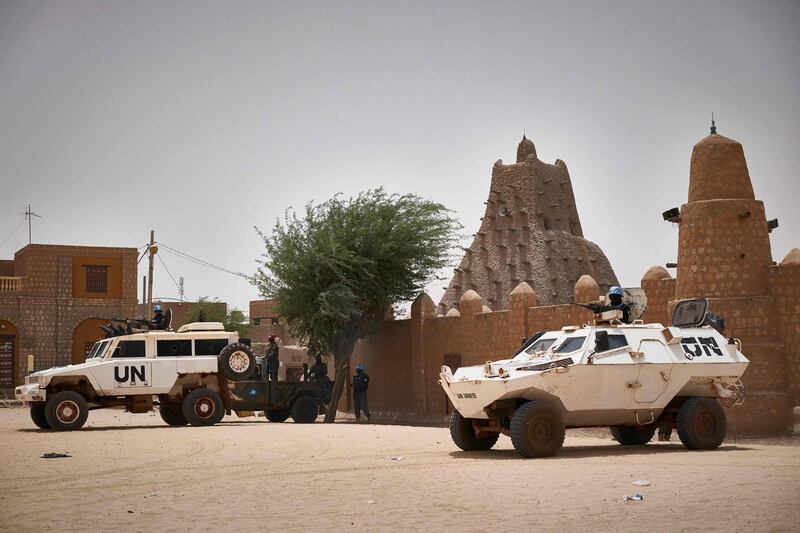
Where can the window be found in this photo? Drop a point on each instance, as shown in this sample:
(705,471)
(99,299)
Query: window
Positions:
(209,346)
(571,344)
(176,348)
(256,321)
(87,349)
(129,349)
(93,350)
(96,278)
(274,320)
(539,346)
(616,341)
(100,349)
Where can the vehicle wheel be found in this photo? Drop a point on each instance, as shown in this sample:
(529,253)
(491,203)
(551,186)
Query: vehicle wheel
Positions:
(277,415)
(172,414)
(537,430)
(463,434)
(633,435)
(66,410)
(203,407)
(702,424)
(37,415)
(237,362)
(305,410)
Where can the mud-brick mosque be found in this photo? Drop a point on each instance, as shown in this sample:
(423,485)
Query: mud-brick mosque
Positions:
(529,260)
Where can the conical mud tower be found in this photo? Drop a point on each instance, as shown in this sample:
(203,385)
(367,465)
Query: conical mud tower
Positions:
(724,255)
(529,233)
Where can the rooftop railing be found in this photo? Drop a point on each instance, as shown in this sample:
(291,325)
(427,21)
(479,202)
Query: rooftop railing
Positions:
(10,284)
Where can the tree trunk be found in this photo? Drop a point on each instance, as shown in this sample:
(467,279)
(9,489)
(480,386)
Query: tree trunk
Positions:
(341,358)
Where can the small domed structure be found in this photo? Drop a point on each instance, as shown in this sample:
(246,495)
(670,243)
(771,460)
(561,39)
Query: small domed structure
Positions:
(586,290)
(423,307)
(792,258)
(452,313)
(523,295)
(655,273)
(470,303)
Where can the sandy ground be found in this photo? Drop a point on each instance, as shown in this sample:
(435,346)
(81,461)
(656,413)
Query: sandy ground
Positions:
(131,472)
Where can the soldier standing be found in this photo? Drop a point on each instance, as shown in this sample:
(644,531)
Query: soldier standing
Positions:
(272,358)
(360,386)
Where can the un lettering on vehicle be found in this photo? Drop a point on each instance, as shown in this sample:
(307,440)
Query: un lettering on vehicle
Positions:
(694,347)
(136,375)
(466,395)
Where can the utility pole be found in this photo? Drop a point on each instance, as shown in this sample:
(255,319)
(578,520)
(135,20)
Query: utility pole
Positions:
(151,252)
(29,214)
(144,301)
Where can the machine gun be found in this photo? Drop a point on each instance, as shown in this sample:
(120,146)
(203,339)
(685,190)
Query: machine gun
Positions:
(603,314)
(128,326)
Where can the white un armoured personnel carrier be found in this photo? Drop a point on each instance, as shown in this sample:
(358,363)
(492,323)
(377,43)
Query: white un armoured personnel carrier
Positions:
(632,378)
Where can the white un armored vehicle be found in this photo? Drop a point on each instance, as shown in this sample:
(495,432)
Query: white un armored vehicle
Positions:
(179,368)
(632,378)
(195,375)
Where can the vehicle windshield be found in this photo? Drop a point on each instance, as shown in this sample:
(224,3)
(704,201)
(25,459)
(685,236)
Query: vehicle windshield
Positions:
(539,346)
(571,344)
(99,349)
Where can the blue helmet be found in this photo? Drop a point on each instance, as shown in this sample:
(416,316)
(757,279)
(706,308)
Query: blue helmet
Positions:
(359,366)
(157,309)
(616,290)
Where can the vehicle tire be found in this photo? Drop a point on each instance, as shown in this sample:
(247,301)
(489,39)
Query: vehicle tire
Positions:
(203,407)
(172,414)
(633,435)
(537,430)
(277,415)
(66,410)
(305,410)
(702,424)
(237,362)
(463,434)
(37,415)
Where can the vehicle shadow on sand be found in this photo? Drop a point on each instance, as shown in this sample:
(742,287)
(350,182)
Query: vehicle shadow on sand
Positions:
(610,450)
(128,428)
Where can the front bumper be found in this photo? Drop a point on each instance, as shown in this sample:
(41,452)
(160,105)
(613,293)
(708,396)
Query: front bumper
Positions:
(30,393)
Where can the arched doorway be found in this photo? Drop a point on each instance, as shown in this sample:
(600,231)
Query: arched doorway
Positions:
(85,335)
(9,344)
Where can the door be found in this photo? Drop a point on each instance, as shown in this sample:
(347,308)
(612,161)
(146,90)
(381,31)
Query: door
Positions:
(453,360)
(654,370)
(7,344)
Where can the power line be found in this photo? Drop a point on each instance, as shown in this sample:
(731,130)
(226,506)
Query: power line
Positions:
(13,232)
(202,262)
(169,273)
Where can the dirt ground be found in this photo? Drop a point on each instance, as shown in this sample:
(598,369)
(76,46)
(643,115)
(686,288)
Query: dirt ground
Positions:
(131,472)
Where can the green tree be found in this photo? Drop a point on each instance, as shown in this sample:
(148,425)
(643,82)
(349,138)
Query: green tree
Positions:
(212,310)
(340,267)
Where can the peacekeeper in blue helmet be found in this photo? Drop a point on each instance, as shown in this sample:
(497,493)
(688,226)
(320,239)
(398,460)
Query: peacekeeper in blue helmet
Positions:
(159,321)
(360,385)
(615,295)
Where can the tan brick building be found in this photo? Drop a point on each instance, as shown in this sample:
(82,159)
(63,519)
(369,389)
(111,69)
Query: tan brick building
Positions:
(53,300)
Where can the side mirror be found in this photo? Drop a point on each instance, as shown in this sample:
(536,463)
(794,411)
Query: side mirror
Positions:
(601,341)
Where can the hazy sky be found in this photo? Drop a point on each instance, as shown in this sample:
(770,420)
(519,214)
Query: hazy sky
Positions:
(203,119)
